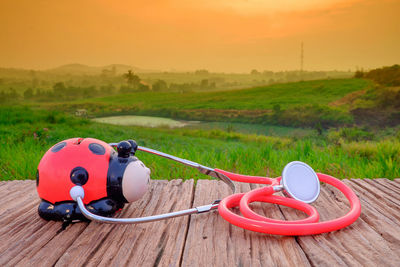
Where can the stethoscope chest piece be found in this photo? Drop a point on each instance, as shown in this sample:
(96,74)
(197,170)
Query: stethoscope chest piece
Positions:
(300,182)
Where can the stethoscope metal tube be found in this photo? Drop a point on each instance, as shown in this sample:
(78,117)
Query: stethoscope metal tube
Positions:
(77,193)
(152,218)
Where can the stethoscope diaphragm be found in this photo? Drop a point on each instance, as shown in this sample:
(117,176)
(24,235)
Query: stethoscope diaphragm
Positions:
(300,182)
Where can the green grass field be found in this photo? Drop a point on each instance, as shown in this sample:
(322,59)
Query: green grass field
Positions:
(26,134)
(320,92)
(250,145)
(299,104)
(247,128)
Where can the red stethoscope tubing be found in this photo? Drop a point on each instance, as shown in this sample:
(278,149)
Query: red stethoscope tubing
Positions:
(309,226)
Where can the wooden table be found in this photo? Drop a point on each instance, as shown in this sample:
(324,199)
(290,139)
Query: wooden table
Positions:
(204,239)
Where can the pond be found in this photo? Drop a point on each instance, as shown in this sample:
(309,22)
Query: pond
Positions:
(246,128)
(146,121)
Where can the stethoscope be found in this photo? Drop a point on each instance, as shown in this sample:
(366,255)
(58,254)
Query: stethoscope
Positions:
(298,181)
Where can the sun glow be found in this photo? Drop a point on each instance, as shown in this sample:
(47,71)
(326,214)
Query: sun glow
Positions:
(270,6)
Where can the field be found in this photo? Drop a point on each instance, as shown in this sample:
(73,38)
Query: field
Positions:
(254,130)
(258,98)
(298,104)
(26,133)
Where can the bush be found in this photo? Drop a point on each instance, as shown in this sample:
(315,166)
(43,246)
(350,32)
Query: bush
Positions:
(312,115)
(359,74)
(353,134)
(389,76)
(388,97)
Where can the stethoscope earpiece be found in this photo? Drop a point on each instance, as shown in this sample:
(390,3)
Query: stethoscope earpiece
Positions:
(77,191)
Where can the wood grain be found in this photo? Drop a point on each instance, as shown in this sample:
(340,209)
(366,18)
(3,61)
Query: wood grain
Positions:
(158,243)
(212,241)
(358,244)
(203,239)
(24,233)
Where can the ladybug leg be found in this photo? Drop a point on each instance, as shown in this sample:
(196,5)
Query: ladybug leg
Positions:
(62,211)
(69,211)
(104,207)
(45,210)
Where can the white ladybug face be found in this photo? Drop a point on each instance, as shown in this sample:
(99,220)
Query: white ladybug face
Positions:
(135,181)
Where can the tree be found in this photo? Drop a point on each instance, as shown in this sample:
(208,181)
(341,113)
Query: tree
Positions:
(268,73)
(132,79)
(28,94)
(276,115)
(359,74)
(13,94)
(35,82)
(204,84)
(59,89)
(254,72)
(201,72)
(113,70)
(144,87)
(160,85)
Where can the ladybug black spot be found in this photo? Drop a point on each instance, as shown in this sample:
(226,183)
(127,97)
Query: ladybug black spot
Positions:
(58,147)
(97,149)
(79,176)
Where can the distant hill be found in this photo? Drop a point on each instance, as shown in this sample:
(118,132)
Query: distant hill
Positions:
(81,69)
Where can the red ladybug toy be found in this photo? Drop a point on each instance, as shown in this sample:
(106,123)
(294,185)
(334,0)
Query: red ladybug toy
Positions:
(110,178)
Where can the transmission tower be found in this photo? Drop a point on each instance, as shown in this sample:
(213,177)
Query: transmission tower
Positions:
(301,57)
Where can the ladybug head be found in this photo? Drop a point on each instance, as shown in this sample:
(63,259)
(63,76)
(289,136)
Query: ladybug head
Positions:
(136,176)
(127,177)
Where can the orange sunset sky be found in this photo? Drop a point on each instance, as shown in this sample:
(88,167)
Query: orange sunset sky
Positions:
(219,35)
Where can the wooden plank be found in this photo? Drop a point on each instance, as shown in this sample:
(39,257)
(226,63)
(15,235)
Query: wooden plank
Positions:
(373,240)
(379,212)
(150,244)
(51,251)
(358,244)
(393,185)
(18,202)
(382,190)
(212,241)
(12,187)
(13,193)
(26,234)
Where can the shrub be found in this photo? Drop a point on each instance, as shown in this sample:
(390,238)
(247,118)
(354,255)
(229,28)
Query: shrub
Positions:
(353,134)
(312,115)
(389,76)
